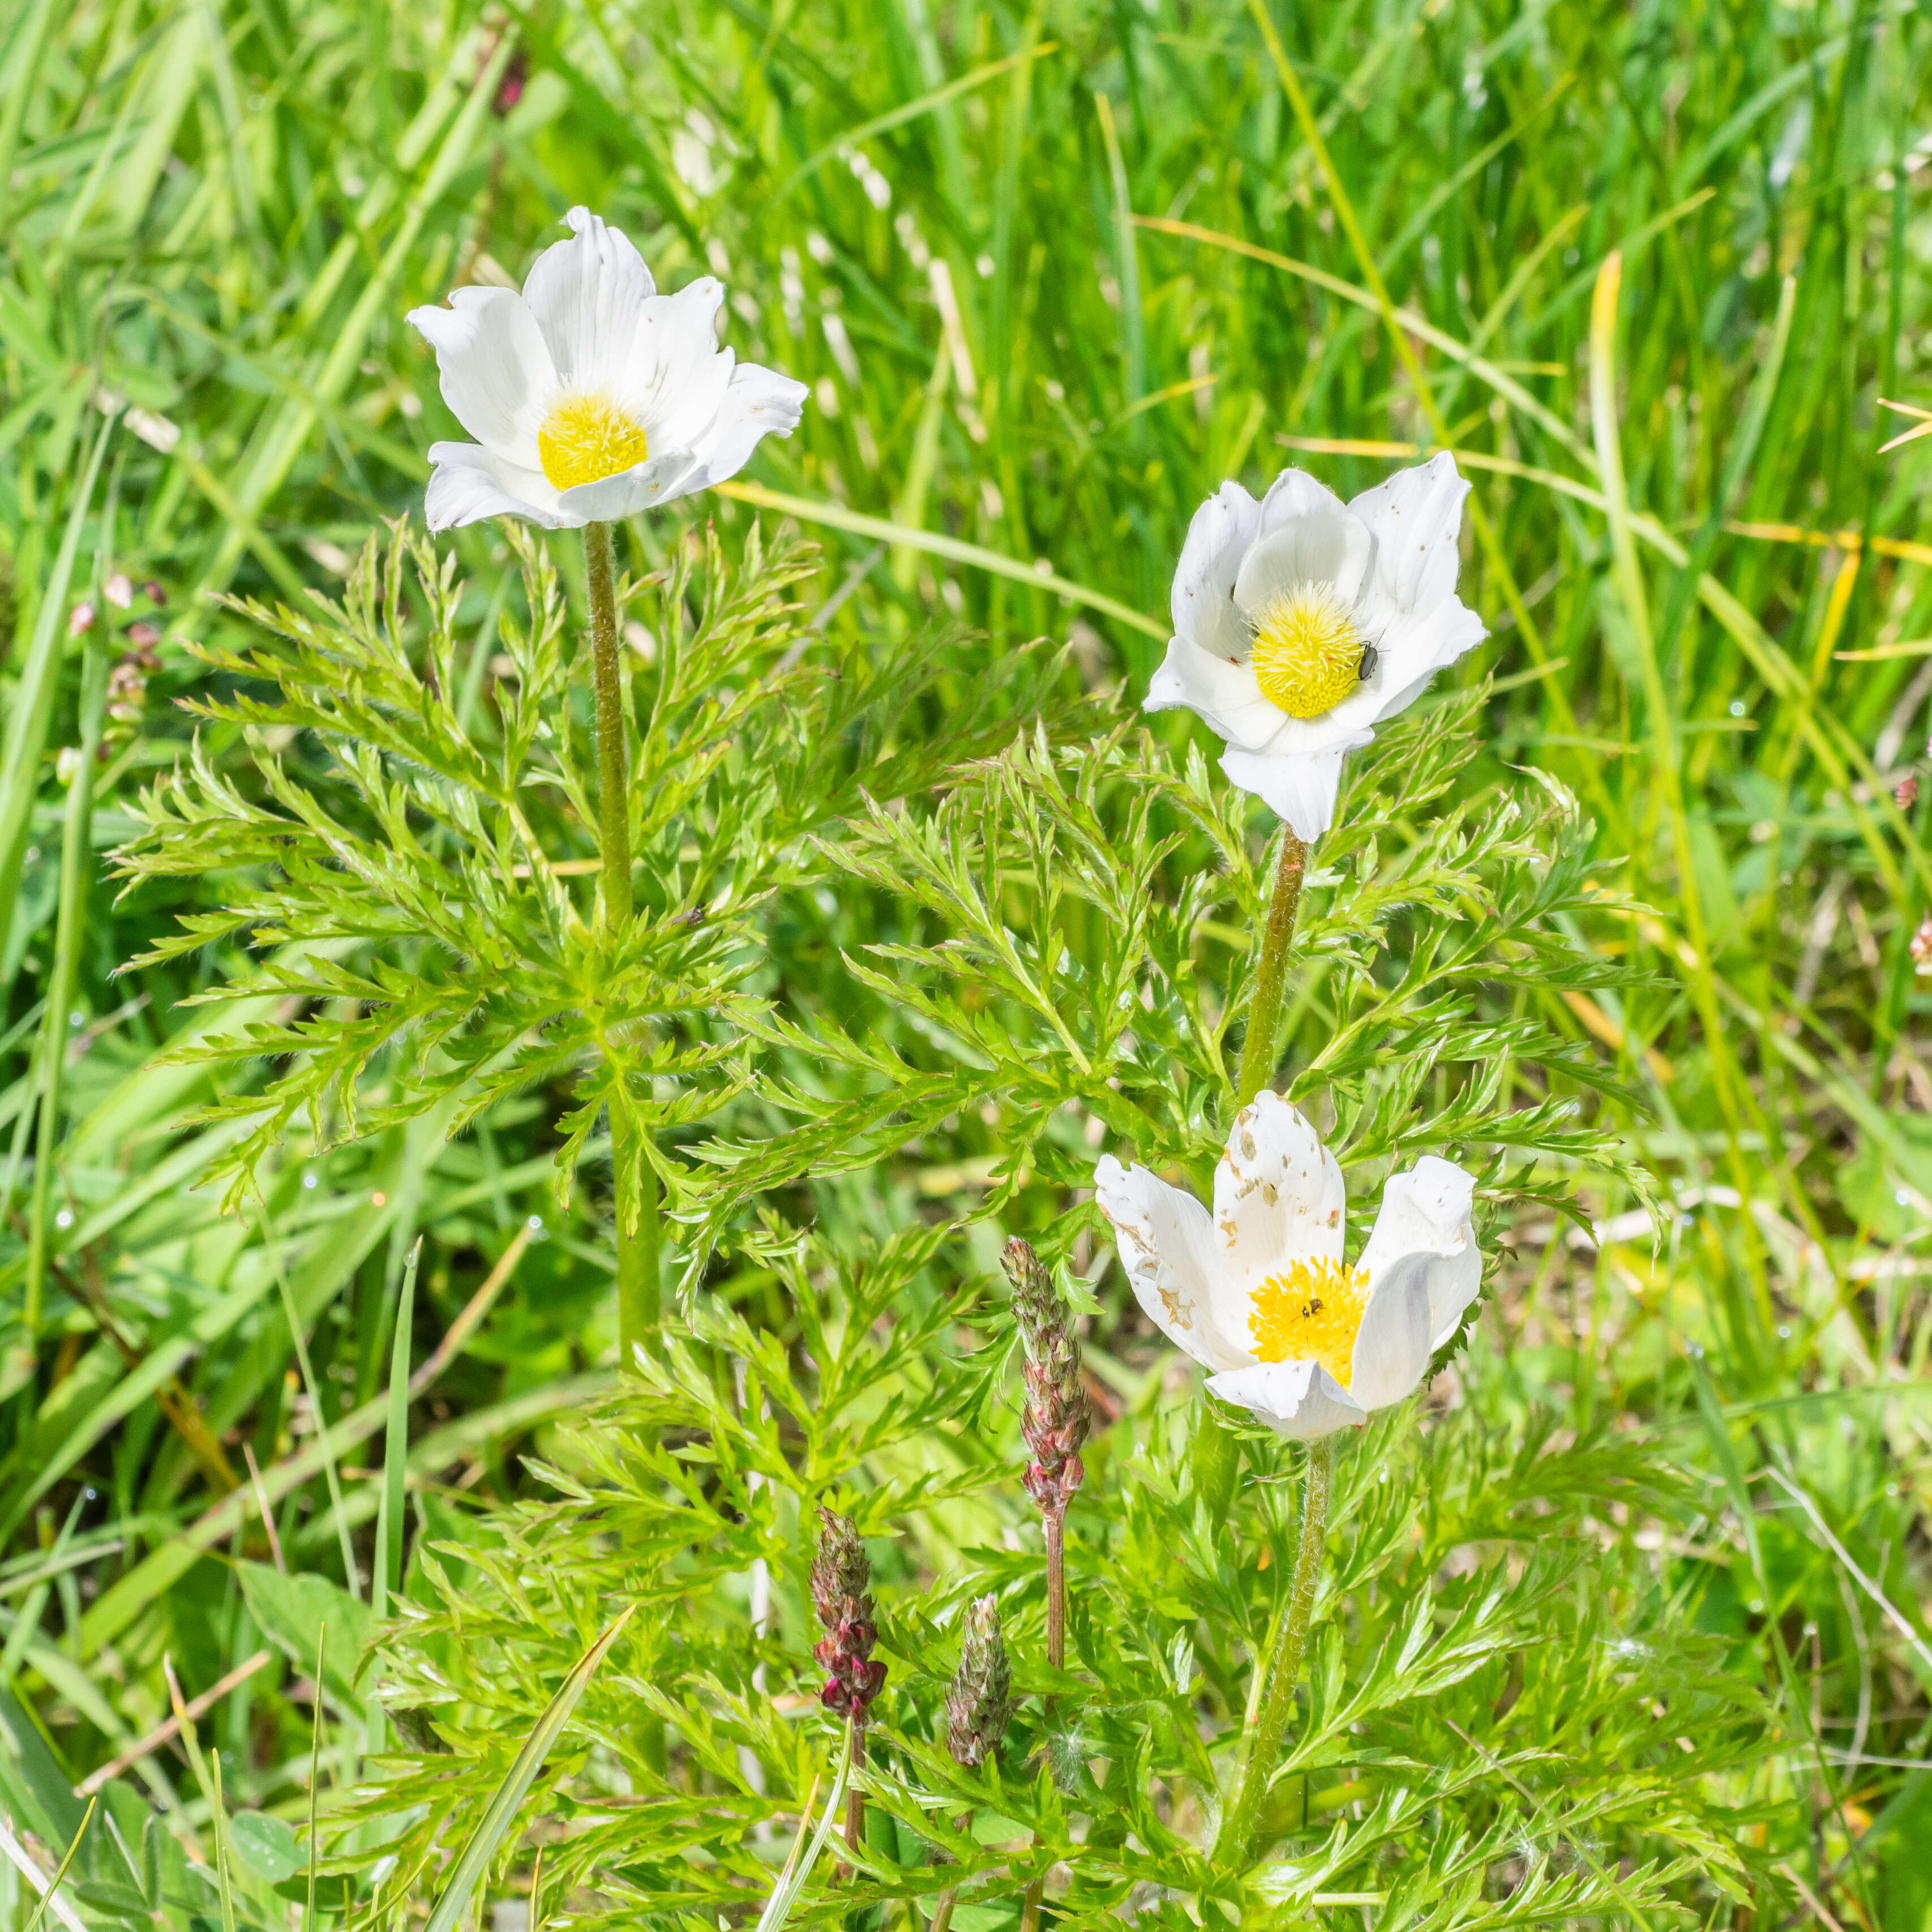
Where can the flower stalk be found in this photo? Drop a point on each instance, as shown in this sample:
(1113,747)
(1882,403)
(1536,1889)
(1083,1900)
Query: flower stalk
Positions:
(1258,1049)
(637,1250)
(1283,1670)
(841,1593)
(1054,1423)
(1054,1420)
(613,818)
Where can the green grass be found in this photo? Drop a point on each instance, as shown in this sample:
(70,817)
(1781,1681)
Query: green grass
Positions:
(1053,275)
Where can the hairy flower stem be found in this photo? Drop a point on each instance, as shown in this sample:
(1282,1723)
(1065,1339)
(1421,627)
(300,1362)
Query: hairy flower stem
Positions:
(1056,1592)
(855,1798)
(613,820)
(1258,1049)
(637,1252)
(1055,1526)
(1283,1670)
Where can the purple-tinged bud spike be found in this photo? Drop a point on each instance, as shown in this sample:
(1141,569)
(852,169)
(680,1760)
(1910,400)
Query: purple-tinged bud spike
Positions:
(979,1699)
(1056,1415)
(841,1593)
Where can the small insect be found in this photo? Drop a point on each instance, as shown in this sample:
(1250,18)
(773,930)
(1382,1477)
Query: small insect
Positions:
(1310,1308)
(1371,657)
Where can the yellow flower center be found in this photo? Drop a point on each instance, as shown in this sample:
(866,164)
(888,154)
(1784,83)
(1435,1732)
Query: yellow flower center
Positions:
(586,438)
(1311,1314)
(1307,653)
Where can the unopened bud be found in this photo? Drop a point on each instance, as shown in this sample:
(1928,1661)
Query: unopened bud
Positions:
(153,592)
(841,1593)
(144,635)
(1055,1419)
(80,620)
(1921,948)
(119,591)
(1906,795)
(979,1699)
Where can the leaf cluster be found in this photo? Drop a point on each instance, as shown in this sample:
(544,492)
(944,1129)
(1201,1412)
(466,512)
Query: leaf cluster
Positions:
(415,856)
(1483,1725)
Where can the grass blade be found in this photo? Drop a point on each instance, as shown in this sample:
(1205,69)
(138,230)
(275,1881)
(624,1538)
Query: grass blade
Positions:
(476,1855)
(47,1896)
(388,1567)
(837,517)
(31,704)
(791,1879)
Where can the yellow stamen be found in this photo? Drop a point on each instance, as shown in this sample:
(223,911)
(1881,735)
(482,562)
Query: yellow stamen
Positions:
(1307,652)
(586,438)
(1311,1313)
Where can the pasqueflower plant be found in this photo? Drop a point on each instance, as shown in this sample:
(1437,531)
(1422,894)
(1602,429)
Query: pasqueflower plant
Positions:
(593,398)
(1032,920)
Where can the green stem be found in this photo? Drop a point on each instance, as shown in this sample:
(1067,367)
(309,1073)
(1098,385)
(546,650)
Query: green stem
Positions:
(1283,1670)
(638,1252)
(1257,1050)
(614,816)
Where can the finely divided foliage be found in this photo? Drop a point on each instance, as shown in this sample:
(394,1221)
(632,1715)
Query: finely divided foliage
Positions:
(1055,973)
(353,1558)
(421,911)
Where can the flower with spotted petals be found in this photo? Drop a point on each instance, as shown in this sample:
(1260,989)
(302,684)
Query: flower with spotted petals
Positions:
(1258,1293)
(590,395)
(1301,622)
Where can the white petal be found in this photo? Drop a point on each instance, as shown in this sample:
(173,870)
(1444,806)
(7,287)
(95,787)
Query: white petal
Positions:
(1392,1345)
(759,402)
(675,374)
(1417,517)
(1293,494)
(1225,695)
(1301,790)
(1425,1212)
(1166,1242)
(1416,648)
(1279,1195)
(659,478)
(1301,1400)
(587,295)
(496,374)
(1219,537)
(468,483)
(1324,546)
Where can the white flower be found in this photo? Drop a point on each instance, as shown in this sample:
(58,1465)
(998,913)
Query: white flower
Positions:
(1258,1294)
(1300,623)
(590,395)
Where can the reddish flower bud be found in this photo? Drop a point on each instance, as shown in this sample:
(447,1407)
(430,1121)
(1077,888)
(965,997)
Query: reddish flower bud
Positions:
(841,1580)
(1055,1419)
